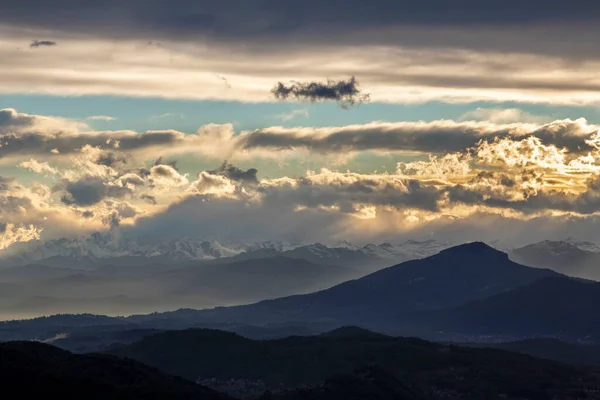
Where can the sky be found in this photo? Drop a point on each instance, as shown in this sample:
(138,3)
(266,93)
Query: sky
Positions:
(302,121)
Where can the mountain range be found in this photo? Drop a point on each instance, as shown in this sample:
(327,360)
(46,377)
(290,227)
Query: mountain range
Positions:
(99,247)
(406,297)
(100,274)
(571,257)
(470,292)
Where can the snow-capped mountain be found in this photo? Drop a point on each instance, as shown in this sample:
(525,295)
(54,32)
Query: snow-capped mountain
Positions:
(569,256)
(100,246)
(367,257)
(583,245)
(103,246)
(561,247)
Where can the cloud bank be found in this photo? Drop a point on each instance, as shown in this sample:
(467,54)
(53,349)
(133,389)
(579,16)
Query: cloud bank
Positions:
(466,173)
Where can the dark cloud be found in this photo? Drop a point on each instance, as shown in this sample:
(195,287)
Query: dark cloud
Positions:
(111,159)
(90,190)
(163,170)
(148,199)
(315,21)
(42,43)
(376,192)
(585,203)
(112,220)
(236,174)
(11,119)
(160,162)
(346,93)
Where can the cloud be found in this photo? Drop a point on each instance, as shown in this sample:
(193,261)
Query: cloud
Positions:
(38,167)
(111,159)
(91,190)
(234,173)
(345,93)
(11,234)
(392,68)
(329,205)
(313,22)
(13,122)
(24,134)
(42,43)
(149,199)
(425,137)
(461,171)
(101,118)
(292,115)
(504,116)
(168,115)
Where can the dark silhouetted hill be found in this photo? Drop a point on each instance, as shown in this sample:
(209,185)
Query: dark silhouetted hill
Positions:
(551,349)
(421,365)
(451,278)
(363,384)
(30,369)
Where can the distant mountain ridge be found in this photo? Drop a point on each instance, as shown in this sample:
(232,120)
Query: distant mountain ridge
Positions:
(95,248)
(571,257)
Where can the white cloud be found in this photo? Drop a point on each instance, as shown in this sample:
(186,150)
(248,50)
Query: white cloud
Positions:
(11,234)
(38,167)
(101,118)
(293,115)
(168,115)
(504,116)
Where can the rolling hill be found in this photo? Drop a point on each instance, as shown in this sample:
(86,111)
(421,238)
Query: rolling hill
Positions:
(423,367)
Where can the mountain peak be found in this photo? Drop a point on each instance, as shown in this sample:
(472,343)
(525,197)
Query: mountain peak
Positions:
(474,249)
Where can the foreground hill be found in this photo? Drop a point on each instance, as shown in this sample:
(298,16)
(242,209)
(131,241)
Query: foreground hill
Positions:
(365,383)
(423,367)
(32,369)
